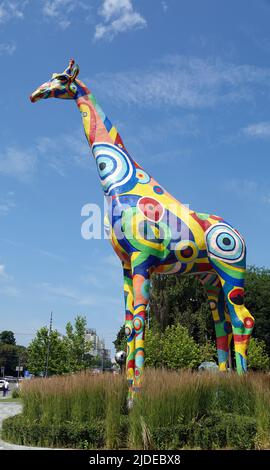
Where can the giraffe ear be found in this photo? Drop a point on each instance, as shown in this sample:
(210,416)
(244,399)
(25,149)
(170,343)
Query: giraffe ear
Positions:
(75,72)
(72,69)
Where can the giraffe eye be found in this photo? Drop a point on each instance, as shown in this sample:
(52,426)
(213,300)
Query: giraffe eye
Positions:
(62,78)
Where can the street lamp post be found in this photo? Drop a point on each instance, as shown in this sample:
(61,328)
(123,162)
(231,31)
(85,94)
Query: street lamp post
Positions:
(102,359)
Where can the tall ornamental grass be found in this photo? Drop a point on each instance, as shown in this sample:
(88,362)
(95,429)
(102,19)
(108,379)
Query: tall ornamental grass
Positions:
(200,410)
(79,399)
(174,410)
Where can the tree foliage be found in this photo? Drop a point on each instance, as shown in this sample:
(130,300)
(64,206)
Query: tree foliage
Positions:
(257,300)
(7,337)
(258,358)
(175,348)
(67,353)
(38,350)
(181,300)
(121,341)
(11,355)
(77,348)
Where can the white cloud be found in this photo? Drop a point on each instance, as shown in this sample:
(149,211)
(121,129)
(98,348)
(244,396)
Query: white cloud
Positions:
(247,189)
(118,16)
(67,149)
(7,286)
(62,10)
(77,297)
(9,290)
(12,9)
(164,6)
(7,48)
(2,271)
(183,81)
(7,204)
(266,199)
(18,163)
(259,130)
(58,155)
(243,187)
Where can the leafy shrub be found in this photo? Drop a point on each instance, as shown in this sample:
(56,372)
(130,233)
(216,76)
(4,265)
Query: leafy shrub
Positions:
(16,393)
(223,430)
(69,434)
(258,358)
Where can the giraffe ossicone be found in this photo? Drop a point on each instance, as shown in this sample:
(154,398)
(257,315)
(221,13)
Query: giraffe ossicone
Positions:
(152,232)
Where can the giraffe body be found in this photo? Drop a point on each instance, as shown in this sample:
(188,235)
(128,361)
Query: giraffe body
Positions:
(152,232)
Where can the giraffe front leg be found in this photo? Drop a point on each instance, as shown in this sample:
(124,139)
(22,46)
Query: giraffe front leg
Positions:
(242,324)
(227,254)
(141,284)
(232,281)
(221,318)
(129,330)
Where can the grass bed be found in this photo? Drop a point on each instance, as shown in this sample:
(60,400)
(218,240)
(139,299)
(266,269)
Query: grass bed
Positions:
(174,410)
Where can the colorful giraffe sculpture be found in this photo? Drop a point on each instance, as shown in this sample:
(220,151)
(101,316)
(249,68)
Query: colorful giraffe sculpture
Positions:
(152,232)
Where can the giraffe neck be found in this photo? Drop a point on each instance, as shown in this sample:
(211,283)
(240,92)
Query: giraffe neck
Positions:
(97,126)
(116,168)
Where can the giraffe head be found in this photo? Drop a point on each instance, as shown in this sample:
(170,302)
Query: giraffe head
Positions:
(61,85)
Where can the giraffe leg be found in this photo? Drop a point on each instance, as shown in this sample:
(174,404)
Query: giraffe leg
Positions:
(227,252)
(221,318)
(141,284)
(242,322)
(129,330)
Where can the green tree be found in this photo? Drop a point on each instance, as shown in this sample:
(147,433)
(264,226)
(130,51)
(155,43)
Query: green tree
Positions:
(37,353)
(257,300)
(11,356)
(77,347)
(179,349)
(181,300)
(121,341)
(153,348)
(258,358)
(7,337)
(208,352)
(69,353)
(8,358)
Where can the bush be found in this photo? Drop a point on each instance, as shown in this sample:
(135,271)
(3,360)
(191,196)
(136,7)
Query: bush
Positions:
(223,430)
(69,434)
(216,431)
(16,393)
(180,349)
(258,358)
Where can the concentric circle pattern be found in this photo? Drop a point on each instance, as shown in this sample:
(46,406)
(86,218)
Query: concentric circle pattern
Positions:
(186,251)
(225,243)
(117,172)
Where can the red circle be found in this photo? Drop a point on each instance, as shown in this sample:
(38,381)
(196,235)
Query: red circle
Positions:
(151,208)
(248,322)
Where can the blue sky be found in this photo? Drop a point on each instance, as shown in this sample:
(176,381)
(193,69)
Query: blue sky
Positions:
(187,82)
